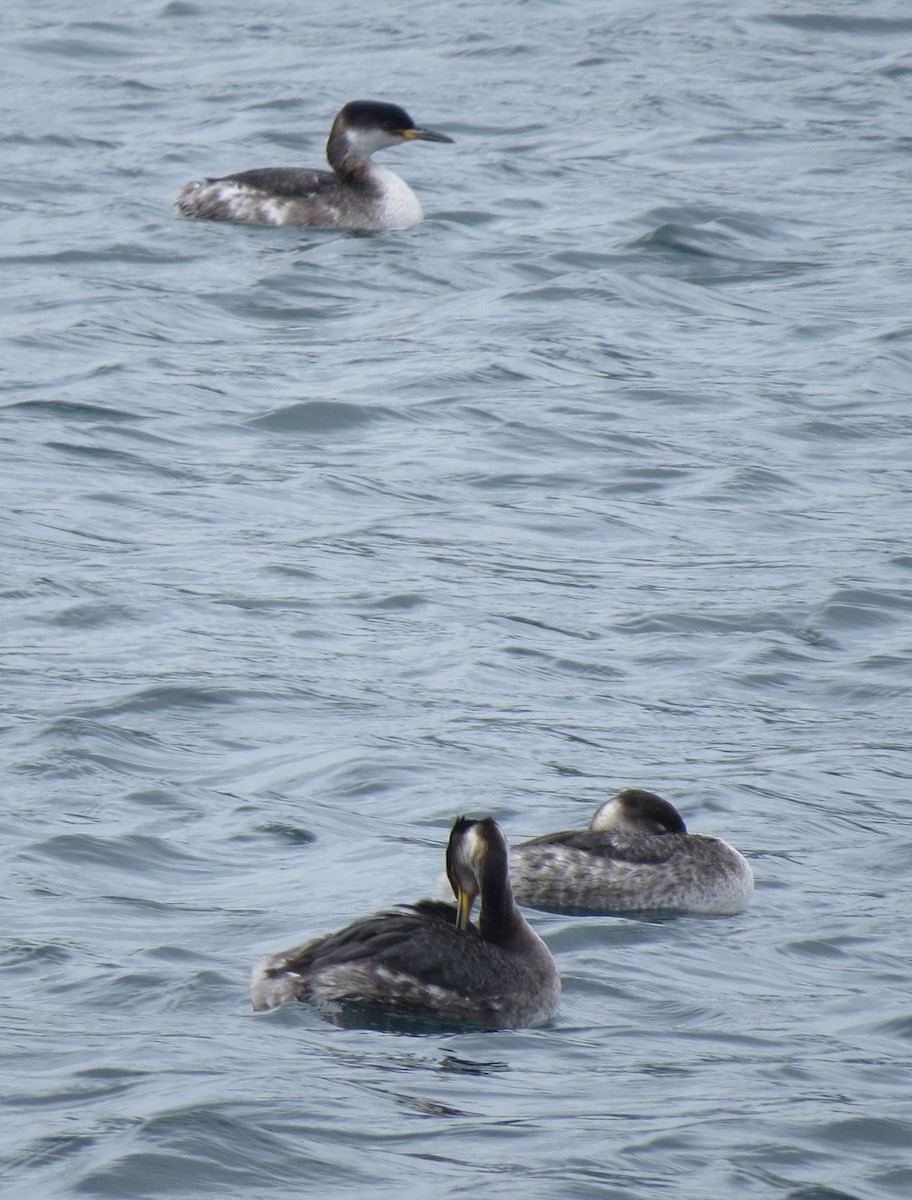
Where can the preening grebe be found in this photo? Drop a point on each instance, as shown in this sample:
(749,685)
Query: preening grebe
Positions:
(428,959)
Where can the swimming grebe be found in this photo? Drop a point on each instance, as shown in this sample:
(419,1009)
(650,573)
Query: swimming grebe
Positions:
(356,194)
(428,959)
(636,854)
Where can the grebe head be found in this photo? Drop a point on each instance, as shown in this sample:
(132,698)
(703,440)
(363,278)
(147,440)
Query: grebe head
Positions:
(369,125)
(476,863)
(636,811)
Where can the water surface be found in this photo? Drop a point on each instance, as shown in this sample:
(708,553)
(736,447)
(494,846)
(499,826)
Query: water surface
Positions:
(597,478)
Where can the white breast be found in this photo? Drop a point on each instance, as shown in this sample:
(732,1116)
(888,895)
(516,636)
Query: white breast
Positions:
(399,206)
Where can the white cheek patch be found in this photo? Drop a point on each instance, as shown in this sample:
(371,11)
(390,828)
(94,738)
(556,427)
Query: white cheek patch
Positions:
(366,141)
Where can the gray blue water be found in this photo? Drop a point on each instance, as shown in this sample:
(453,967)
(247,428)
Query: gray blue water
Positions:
(310,542)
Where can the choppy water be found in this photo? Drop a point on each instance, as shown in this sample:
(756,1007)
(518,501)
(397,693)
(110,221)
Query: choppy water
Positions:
(598,478)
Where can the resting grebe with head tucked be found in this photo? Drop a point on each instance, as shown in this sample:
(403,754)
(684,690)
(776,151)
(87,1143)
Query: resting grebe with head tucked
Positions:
(636,854)
(356,194)
(428,959)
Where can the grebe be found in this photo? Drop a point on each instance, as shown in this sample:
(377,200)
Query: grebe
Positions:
(636,854)
(356,194)
(428,959)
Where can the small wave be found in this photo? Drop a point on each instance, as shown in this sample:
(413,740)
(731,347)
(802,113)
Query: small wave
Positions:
(318,416)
